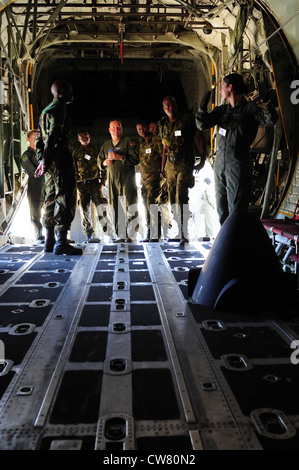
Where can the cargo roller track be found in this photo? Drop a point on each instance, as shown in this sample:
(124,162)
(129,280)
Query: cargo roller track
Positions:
(106,352)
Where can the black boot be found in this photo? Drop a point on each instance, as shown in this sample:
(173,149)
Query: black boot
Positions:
(50,240)
(157,230)
(147,237)
(184,237)
(62,247)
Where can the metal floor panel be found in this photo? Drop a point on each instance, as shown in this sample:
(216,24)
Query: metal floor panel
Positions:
(105,351)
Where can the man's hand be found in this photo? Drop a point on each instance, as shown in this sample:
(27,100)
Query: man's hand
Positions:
(114,156)
(108,162)
(40,170)
(111,155)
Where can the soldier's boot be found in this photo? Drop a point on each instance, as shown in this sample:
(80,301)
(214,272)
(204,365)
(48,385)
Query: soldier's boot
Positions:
(183,240)
(159,230)
(184,236)
(147,237)
(38,230)
(50,240)
(89,236)
(62,247)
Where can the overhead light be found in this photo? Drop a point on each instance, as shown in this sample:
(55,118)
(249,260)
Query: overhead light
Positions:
(208,28)
(73,30)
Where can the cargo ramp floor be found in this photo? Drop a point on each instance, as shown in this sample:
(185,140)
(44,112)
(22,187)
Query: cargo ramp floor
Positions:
(105,351)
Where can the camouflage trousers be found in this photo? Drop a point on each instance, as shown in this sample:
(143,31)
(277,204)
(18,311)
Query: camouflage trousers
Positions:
(155,192)
(60,197)
(179,179)
(150,192)
(89,191)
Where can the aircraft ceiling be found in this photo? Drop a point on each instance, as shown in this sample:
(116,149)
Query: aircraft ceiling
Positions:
(139,29)
(42,39)
(231,33)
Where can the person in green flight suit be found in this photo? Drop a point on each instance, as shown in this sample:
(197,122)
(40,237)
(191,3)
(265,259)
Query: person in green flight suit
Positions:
(90,180)
(150,155)
(36,187)
(237,122)
(119,155)
(179,137)
(56,163)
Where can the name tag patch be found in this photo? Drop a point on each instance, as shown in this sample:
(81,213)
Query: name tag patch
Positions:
(222,131)
(148,150)
(178,133)
(88,157)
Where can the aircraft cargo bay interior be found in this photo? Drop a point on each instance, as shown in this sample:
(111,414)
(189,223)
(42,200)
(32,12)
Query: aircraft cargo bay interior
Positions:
(177,330)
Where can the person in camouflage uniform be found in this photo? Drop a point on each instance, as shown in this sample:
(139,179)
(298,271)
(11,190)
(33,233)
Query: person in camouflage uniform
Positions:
(150,155)
(36,187)
(153,128)
(119,155)
(178,134)
(90,180)
(56,163)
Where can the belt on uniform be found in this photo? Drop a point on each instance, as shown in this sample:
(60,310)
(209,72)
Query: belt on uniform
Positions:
(87,181)
(176,159)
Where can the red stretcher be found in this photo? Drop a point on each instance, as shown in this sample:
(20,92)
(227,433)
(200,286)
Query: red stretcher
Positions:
(287,228)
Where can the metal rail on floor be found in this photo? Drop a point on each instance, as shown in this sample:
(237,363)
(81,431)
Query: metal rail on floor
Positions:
(105,351)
